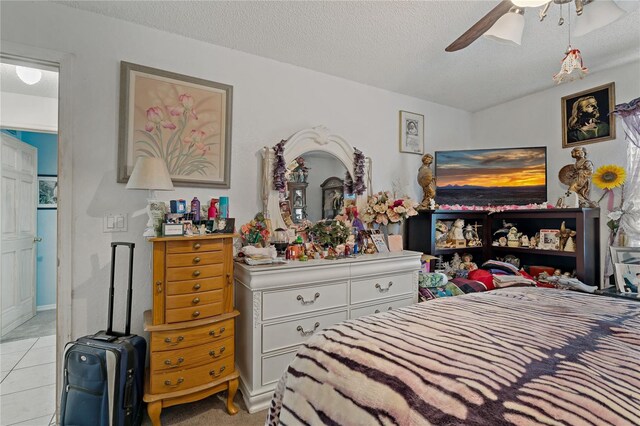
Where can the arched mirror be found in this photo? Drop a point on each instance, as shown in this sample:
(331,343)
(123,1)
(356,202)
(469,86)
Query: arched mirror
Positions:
(317,163)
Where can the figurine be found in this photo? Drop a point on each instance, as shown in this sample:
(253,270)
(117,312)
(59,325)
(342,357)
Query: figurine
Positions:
(455,233)
(578,176)
(524,241)
(570,245)
(506,226)
(533,242)
(564,235)
(513,237)
(502,241)
(427,182)
(467,262)
(455,262)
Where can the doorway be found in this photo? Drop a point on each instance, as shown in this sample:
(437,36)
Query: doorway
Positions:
(28,127)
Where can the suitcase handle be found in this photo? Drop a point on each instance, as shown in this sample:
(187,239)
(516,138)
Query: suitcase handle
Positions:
(127,329)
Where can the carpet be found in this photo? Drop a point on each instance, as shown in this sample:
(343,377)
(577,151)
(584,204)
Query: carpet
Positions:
(209,411)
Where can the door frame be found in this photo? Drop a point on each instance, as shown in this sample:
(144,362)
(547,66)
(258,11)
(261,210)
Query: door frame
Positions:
(64,276)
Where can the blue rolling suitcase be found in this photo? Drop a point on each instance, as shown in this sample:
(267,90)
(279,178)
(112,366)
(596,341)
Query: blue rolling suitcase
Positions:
(104,372)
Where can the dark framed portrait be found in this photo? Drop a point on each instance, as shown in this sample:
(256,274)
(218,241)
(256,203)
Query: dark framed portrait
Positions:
(586,118)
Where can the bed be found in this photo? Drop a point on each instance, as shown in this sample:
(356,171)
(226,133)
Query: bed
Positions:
(514,356)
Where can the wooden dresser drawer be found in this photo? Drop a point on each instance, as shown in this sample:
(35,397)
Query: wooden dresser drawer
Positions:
(294,332)
(195,286)
(194,299)
(194,259)
(162,382)
(276,304)
(374,288)
(380,307)
(194,312)
(194,272)
(193,356)
(193,246)
(184,338)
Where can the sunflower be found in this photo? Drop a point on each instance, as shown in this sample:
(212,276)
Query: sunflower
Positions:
(609,176)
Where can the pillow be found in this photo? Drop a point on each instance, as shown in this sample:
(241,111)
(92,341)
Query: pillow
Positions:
(502,266)
(432,279)
(483,276)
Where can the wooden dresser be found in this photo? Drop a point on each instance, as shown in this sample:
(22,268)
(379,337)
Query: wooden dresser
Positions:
(284,305)
(192,323)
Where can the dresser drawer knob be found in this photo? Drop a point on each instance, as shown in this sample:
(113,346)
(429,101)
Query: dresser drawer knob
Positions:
(196,273)
(197,286)
(196,301)
(196,314)
(308,332)
(196,260)
(384,290)
(308,302)
(171,342)
(179,361)
(196,246)
(212,353)
(212,333)
(378,310)
(213,373)
(178,383)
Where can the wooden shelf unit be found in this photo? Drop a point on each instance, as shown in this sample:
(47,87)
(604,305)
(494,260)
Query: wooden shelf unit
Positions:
(585,260)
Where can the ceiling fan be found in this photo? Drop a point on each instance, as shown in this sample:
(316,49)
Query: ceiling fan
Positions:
(600,13)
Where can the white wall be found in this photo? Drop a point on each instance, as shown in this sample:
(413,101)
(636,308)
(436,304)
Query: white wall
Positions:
(26,112)
(271,101)
(535,120)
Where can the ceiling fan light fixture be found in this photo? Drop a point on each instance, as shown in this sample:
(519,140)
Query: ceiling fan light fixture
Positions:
(508,29)
(529,3)
(597,14)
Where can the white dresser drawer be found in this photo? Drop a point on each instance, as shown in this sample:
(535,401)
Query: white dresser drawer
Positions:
(370,289)
(291,333)
(277,304)
(274,366)
(380,307)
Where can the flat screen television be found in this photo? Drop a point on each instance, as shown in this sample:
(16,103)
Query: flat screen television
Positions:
(495,177)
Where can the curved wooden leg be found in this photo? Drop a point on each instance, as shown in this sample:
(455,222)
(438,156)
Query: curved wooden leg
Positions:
(154,409)
(233,388)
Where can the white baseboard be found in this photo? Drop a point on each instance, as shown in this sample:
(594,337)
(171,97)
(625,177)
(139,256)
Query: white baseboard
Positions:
(45,307)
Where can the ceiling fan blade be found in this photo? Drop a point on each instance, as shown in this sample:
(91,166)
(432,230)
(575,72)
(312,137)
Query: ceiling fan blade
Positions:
(480,27)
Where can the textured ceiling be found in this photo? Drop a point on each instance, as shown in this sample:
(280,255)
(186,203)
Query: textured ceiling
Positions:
(9,82)
(398,46)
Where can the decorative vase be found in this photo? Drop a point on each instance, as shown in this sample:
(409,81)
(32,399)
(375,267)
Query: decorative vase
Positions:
(394,228)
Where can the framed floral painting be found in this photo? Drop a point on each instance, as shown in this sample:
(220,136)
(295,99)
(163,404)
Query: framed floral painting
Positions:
(184,120)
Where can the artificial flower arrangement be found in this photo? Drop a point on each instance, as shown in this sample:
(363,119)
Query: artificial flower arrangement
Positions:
(330,233)
(255,232)
(608,178)
(383,208)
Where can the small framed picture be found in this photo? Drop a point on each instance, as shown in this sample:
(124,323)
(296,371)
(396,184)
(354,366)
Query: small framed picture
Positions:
(172,229)
(627,277)
(628,255)
(225,225)
(549,239)
(378,240)
(411,132)
(47,192)
(586,116)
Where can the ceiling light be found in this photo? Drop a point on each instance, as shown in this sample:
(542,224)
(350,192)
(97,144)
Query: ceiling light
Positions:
(28,76)
(597,14)
(508,29)
(529,3)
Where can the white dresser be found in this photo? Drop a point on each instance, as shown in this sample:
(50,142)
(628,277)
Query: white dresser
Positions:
(283,305)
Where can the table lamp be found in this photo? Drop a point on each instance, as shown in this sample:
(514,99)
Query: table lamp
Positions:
(151,173)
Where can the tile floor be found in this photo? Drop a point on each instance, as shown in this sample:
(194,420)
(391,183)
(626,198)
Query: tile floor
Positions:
(28,377)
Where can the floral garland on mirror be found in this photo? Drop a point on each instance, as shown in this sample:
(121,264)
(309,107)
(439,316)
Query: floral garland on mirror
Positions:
(279,168)
(357,187)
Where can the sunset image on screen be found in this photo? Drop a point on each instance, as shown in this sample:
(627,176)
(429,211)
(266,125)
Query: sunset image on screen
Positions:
(491,176)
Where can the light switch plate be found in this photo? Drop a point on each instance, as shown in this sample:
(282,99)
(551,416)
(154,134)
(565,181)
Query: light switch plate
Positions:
(114,222)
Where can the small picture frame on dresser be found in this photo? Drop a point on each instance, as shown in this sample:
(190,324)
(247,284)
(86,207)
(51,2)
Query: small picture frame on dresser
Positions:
(172,229)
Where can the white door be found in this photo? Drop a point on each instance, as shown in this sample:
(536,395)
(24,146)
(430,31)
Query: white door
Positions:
(18,168)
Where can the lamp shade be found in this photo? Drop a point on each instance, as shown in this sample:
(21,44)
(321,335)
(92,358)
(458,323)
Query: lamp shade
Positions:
(596,15)
(150,173)
(508,29)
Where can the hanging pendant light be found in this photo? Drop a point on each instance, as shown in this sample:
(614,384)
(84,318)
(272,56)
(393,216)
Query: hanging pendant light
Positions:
(596,15)
(508,29)
(571,66)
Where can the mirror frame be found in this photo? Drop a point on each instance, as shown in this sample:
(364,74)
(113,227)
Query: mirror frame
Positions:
(307,140)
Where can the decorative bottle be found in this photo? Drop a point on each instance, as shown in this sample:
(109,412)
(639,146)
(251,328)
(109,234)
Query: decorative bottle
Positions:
(195,209)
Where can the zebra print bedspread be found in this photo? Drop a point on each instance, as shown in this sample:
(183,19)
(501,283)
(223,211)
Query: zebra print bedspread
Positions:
(516,356)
